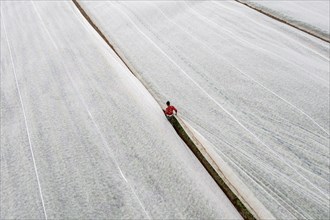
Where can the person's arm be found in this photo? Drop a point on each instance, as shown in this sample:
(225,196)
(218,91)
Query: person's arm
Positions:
(176,111)
(166,111)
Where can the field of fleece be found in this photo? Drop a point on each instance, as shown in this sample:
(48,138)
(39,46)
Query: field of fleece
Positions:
(80,136)
(256,89)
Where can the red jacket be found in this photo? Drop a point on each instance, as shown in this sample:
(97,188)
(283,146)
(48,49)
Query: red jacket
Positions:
(169,110)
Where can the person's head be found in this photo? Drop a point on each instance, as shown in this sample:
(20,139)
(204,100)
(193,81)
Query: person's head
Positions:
(168,103)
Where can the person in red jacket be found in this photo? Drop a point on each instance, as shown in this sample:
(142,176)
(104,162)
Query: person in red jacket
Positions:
(169,111)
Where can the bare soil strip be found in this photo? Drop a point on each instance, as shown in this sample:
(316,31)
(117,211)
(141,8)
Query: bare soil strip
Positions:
(242,207)
(191,143)
(310,32)
(82,11)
